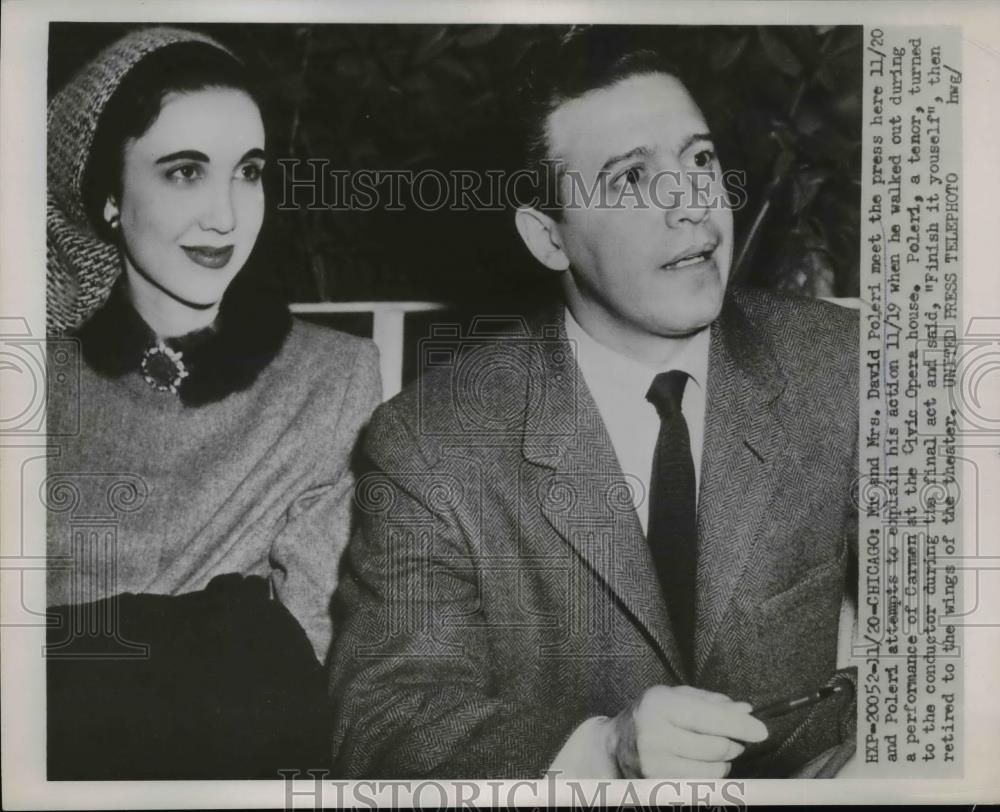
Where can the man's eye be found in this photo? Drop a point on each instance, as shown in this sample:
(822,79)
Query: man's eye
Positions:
(185,173)
(704,157)
(631,176)
(250,172)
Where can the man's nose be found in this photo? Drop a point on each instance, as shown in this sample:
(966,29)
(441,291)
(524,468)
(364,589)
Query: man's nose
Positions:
(690,202)
(219,214)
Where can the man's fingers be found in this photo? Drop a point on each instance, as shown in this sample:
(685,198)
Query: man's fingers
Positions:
(708,696)
(730,721)
(694,713)
(684,732)
(677,742)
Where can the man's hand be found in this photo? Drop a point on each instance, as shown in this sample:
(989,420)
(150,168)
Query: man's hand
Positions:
(681,732)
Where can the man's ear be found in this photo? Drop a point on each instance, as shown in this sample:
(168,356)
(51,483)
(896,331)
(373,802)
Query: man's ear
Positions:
(541,234)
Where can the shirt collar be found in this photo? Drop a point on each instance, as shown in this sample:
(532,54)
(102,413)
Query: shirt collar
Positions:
(602,363)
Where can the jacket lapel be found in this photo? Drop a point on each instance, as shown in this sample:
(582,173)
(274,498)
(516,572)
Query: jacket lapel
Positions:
(583,494)
(743,447)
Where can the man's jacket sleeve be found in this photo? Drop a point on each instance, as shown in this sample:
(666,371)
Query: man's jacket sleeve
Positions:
(412,677)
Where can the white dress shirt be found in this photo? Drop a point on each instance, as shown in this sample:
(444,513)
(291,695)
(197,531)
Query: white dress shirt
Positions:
(619,385)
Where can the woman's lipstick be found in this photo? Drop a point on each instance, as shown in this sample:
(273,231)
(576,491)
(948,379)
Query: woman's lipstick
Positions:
(207,256)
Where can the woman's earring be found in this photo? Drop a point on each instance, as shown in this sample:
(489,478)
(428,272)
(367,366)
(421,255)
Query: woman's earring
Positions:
(113,222)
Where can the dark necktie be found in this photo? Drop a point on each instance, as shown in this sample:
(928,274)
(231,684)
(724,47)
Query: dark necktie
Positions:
(673,533)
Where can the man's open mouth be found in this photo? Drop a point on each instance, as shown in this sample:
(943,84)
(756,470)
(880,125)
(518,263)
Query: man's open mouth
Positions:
(694,257)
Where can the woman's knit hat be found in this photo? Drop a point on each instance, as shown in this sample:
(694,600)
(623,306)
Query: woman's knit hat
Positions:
(82,267)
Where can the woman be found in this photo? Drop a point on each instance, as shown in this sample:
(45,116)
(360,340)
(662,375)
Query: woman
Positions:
(199,487)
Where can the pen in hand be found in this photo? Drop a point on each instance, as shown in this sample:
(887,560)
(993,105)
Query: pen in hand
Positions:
(789,704)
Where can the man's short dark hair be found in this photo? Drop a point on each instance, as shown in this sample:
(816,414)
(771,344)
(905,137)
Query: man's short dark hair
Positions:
(556,70)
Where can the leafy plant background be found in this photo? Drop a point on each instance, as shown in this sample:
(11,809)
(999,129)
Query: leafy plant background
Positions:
(783,103)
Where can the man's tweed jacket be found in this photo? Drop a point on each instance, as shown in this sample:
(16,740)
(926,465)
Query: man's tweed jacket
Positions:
(500,589)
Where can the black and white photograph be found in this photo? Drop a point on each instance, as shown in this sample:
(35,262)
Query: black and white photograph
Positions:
(566,401)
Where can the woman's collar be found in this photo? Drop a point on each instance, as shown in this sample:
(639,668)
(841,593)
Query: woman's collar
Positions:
(218,360)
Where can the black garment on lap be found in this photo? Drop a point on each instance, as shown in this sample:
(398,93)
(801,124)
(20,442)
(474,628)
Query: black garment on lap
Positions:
(230,688)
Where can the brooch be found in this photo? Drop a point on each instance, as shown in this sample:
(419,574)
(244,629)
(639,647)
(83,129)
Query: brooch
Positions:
(163,368)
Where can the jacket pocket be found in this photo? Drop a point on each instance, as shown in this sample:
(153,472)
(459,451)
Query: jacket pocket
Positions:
(796,632)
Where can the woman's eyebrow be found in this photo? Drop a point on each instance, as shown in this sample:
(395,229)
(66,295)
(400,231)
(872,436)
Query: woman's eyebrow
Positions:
(184,154)
(195,155)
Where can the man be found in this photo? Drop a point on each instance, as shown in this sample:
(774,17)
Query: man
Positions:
(595,545)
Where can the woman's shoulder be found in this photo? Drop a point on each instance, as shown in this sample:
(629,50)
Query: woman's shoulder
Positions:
(334,346)
(329,357)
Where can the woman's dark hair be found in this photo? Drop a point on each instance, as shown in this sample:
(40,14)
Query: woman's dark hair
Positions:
(136,103)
